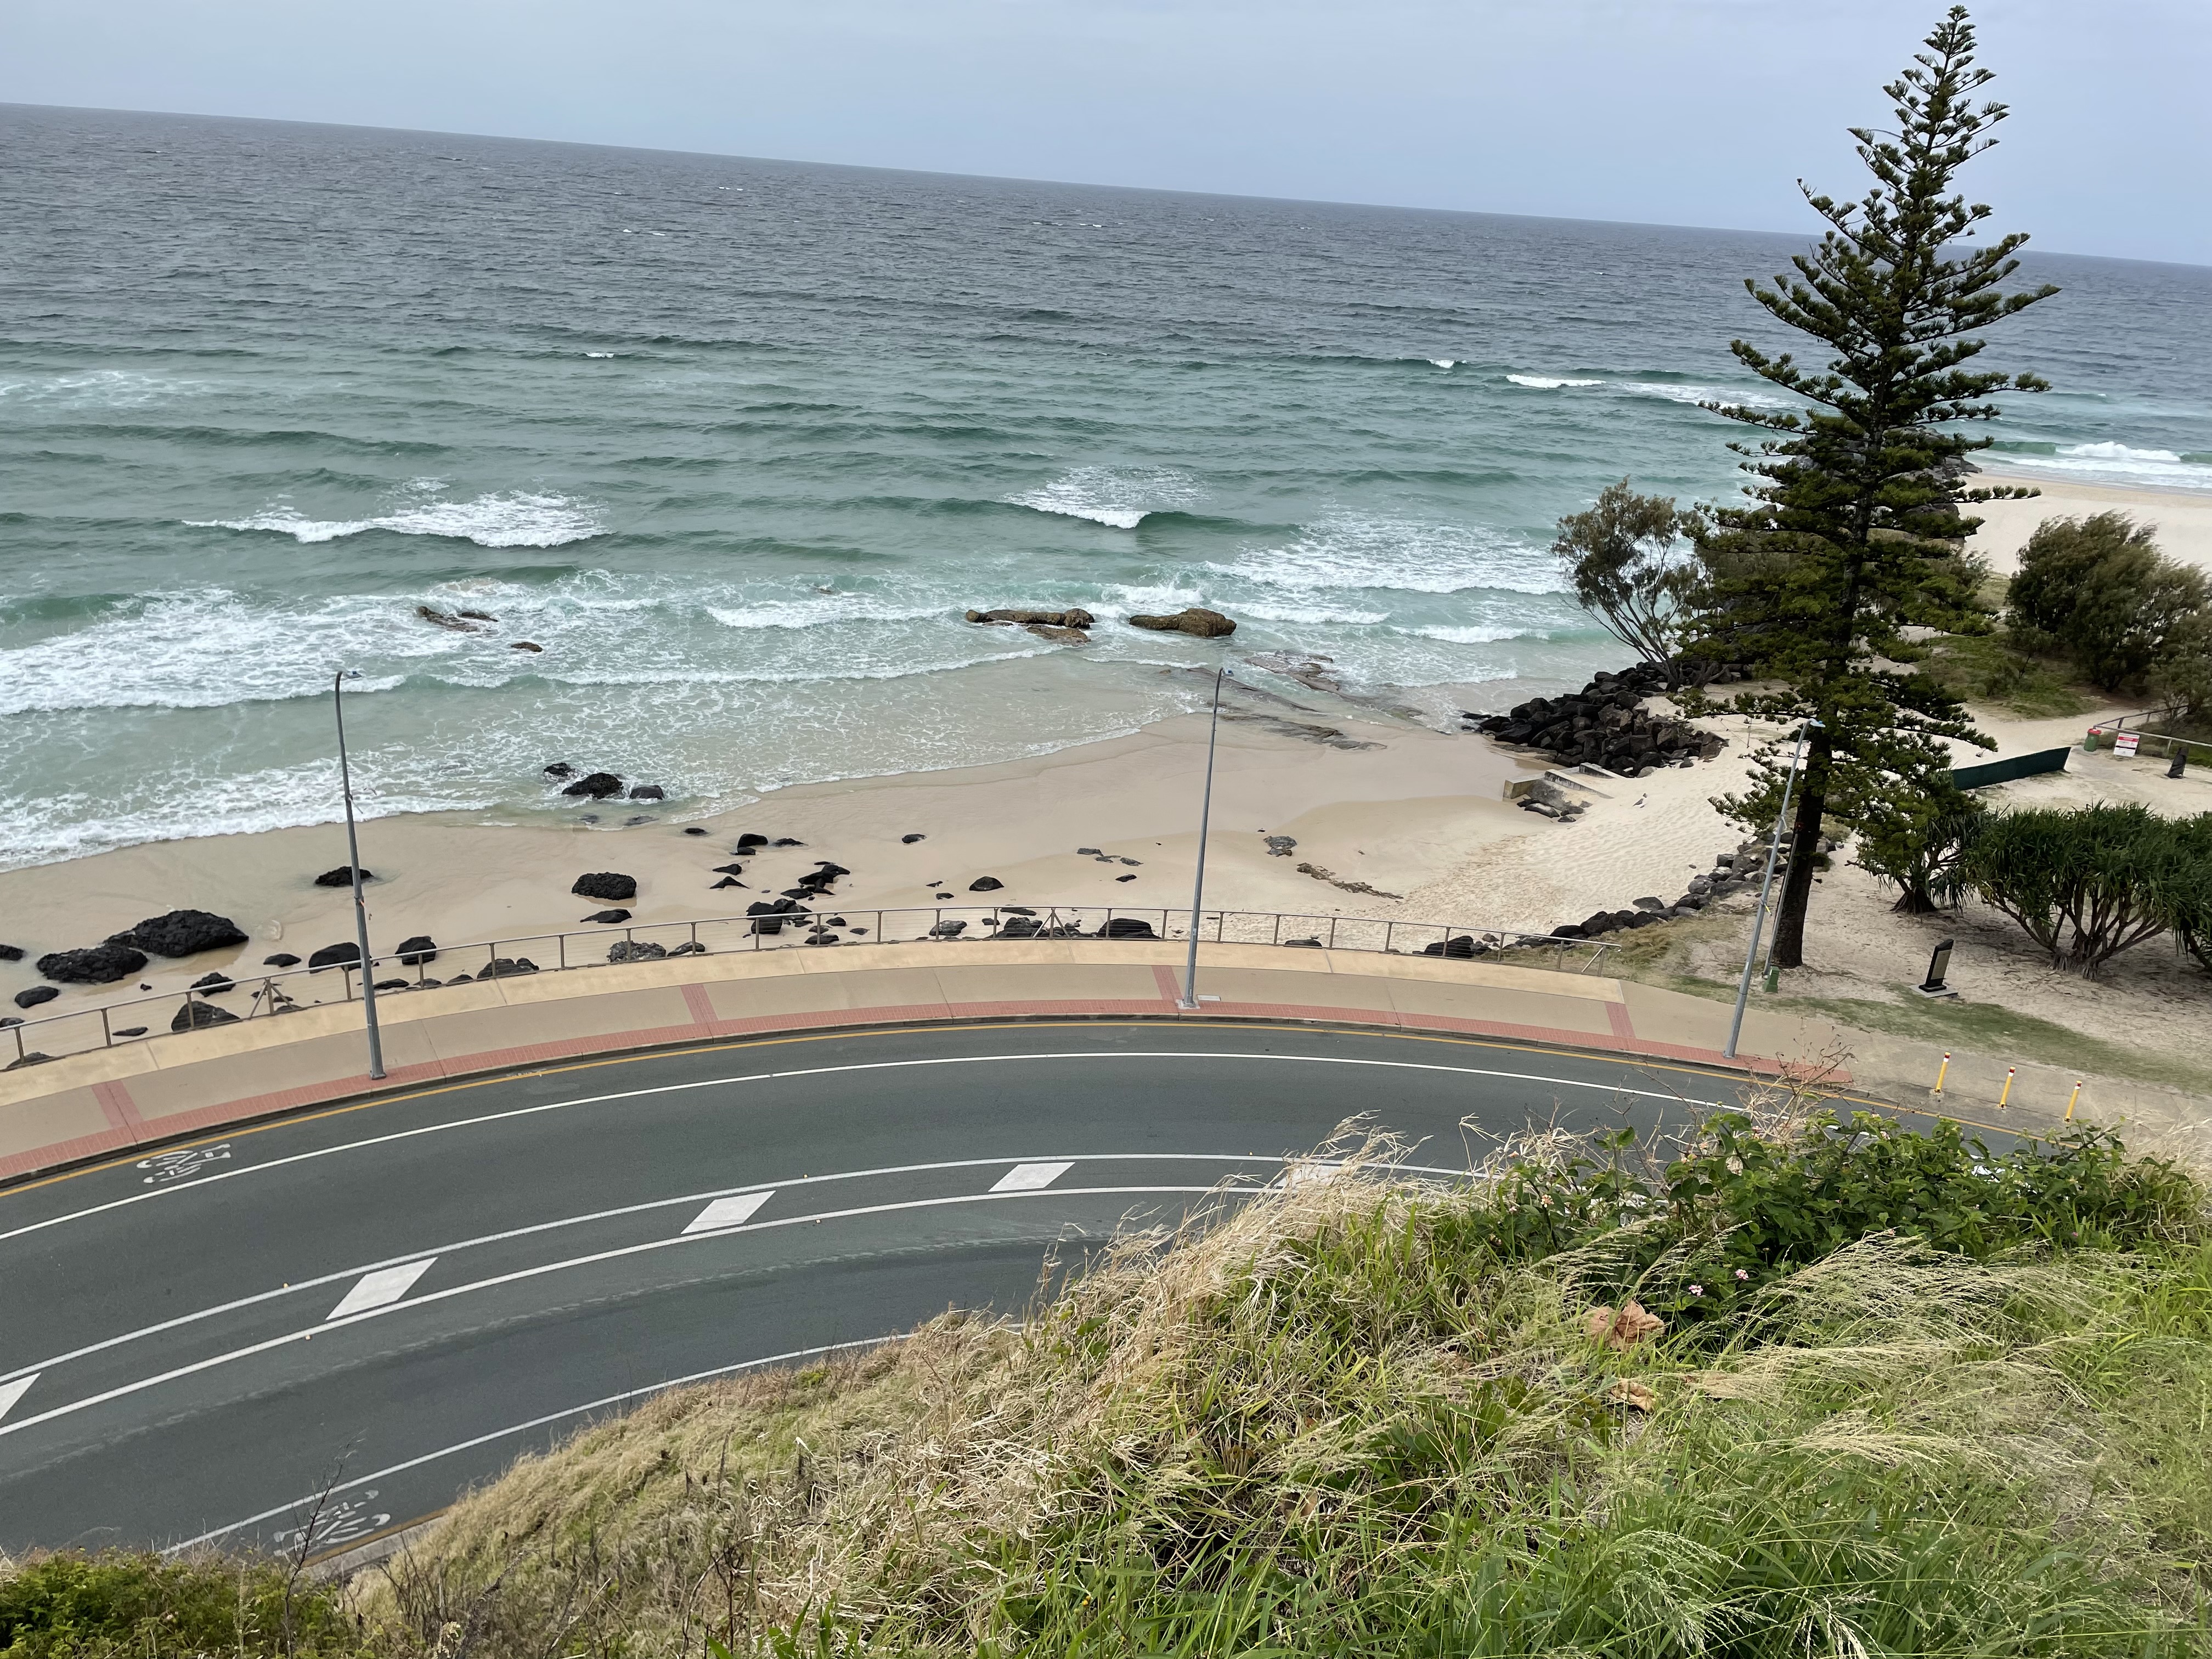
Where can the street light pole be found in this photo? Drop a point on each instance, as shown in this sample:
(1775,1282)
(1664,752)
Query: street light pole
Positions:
(1766,886)
(353,859)
(1204,817)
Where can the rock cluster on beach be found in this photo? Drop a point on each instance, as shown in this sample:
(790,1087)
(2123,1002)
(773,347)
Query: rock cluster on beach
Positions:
(1735,870)
(1070,627)
(1194,620)
(1605,724)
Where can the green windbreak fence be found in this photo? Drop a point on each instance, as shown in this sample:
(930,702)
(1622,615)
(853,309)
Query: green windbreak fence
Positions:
(2004,771)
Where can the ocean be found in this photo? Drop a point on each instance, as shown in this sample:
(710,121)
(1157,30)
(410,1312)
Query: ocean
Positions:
(735,442)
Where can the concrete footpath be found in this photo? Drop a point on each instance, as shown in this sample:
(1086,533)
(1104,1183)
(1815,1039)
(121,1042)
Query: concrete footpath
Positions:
(160,1088)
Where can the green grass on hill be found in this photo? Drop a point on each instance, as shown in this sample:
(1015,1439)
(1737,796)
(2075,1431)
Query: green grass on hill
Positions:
(1801,1388)
(1990,669)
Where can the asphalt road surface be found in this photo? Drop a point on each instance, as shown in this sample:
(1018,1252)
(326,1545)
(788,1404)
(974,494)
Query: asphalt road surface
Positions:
(390,1301)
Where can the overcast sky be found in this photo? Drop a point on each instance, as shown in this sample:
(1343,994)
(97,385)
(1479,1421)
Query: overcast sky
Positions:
(1678,111)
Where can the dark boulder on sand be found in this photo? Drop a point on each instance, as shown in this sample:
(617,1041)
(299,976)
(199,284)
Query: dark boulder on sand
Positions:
(181,934)
(635,949)
(608,916)
(196,1016)
(214,985)
(11,953)
(1195,620)
(344,954)
(747,842)
(281,960)
(908,841)
(35,996)
(342,876)
(419,951)
(102,964)
(598,785)
(1127,928)
(985,885)
(605,884)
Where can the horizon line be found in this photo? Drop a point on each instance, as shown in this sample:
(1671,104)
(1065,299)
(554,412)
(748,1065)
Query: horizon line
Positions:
(1021,179)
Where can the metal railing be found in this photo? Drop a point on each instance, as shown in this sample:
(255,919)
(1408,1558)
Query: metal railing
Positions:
(267,996)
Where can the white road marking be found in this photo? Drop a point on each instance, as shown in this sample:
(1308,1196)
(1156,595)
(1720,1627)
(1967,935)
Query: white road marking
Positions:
(344,1274)
(202,1185)
(728,1211)
(542,1268)
(11,1392)
(380,1289)
(298,1504)
(1030,1177)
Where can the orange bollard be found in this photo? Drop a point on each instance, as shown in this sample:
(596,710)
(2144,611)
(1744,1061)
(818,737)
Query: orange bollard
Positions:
(2072,1098)
(1940,1071)
(2010,1071)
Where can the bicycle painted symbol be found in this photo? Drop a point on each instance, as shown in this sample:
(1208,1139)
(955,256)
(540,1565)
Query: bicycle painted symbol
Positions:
(169,1168)
(341,1523)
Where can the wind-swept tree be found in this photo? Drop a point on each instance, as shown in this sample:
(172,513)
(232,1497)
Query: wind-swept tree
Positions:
(1621,556)
(1852,534)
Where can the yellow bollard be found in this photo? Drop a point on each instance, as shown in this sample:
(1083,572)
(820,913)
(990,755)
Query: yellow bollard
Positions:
(2072,1098)
(2007,1094)
(1940,1071)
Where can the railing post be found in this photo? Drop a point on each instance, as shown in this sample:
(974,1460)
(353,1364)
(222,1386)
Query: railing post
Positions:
(106,1036)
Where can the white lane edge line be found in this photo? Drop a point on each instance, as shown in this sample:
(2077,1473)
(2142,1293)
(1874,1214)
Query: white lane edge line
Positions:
(344,1274)
(268,1343)
(535,1423)
(1033,1177)
(374,1289)
(202,1183)
(728,1211)
(13,1391)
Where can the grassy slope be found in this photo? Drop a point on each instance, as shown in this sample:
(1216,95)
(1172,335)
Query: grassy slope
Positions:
(1370,1418)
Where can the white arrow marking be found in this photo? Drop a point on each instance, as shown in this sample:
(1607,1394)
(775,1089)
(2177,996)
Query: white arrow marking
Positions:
(380,1289)
(728,1213)
(11,1392)
(1029,1177)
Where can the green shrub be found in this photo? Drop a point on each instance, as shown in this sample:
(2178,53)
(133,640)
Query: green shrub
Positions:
(1918,840)
(2084,884)
(123,1603)
(2099,589)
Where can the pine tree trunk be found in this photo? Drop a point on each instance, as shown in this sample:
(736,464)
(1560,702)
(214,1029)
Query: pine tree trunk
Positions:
(1804,844)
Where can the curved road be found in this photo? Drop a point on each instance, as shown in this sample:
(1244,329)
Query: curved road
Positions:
(394,1299)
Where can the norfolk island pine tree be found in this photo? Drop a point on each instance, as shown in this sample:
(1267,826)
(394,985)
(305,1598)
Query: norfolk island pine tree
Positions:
(1853,533)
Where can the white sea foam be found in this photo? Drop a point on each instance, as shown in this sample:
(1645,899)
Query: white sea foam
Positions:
(510,519)
(1347,551)
(1477,634)
(1445,363)
(599,353)
(1120,498)
(1320,615)
(2114,463)
(1548,383)
(1707,394)
(104,388)
(820,611)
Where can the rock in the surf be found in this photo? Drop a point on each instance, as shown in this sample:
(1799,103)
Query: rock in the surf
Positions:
(648,792)
(1194,620)
(598,786)
(181,934)
(102,964)
(526,644)
(606,885)
(560,769)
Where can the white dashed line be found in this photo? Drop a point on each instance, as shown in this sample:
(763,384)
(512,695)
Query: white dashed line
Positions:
(11,1392)
(381,1288)
(728,1211)
(1029,1177)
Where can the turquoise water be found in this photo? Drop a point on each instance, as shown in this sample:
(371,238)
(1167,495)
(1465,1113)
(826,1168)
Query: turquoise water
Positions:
(736,442)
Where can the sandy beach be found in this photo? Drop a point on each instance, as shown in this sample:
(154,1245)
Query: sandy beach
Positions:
(1417,815)
(2184,521)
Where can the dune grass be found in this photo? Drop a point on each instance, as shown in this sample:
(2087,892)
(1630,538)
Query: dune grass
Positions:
(1901,1396)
